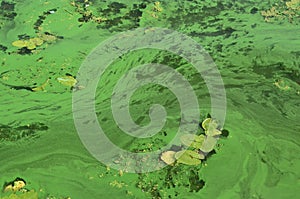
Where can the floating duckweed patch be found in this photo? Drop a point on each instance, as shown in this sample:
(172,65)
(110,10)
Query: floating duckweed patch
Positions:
(12,133)
(283,10)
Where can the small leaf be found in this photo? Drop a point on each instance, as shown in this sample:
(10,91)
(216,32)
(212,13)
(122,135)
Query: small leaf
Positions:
(209,123)
(208,144)
(30,46)
(67,80)
(20,43)
(36,41)
(213,132)
(191,140)
(168,157)
(188,157)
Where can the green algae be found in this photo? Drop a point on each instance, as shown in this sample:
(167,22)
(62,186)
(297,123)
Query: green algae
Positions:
(259,159)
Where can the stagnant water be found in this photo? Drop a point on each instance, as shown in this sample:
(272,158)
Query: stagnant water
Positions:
(254,45)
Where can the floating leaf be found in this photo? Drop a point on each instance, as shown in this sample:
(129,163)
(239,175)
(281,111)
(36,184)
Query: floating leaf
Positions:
(168,157)
(213,132)
(20,43)
(192,140)
(30,46)
(67,80)
(48,37)
(209,123)
(188,157)
(41,87)
(208,144)
(36,41)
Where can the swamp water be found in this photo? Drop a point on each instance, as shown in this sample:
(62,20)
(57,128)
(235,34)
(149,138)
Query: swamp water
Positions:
(254,45)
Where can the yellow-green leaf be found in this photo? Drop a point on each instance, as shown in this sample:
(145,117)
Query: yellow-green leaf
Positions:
(20,43)
(188,157)
(67,81)
(192,140)
(208,144)
(168,157)
(209,123)
(213,132)
(36,41)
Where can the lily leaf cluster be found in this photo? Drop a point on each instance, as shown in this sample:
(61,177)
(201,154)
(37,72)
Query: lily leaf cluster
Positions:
(30,44)
(195,146)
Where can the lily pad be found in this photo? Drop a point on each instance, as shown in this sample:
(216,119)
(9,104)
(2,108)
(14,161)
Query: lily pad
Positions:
(192,140)
(29,44)
(213,132)
(188,157)
(20,43)
(36,41)
(209,123)
(168,157)
(67,80)
(208,144)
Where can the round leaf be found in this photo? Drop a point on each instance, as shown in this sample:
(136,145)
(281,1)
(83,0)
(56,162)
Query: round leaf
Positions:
(208,144)
(20,43)
(168,157)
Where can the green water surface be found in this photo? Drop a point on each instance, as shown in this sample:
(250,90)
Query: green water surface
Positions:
(257,56)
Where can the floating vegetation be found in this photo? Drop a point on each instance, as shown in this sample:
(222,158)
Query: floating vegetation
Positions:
(289,10)
(16,190)
(41,87)
(26,44)
(168,157)
(11,133)
(189,157)
(67,80)
(30,44)
(191,140)
(197,145)
(16,185)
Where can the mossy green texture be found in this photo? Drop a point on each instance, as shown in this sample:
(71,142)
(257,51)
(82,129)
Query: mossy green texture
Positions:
(255,45)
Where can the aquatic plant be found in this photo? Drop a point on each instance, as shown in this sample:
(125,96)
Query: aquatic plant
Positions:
(30,44)
(189,157)
(16,185)
(33,43)
(67,80)
(285,10)
(198,145)
(168,157)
